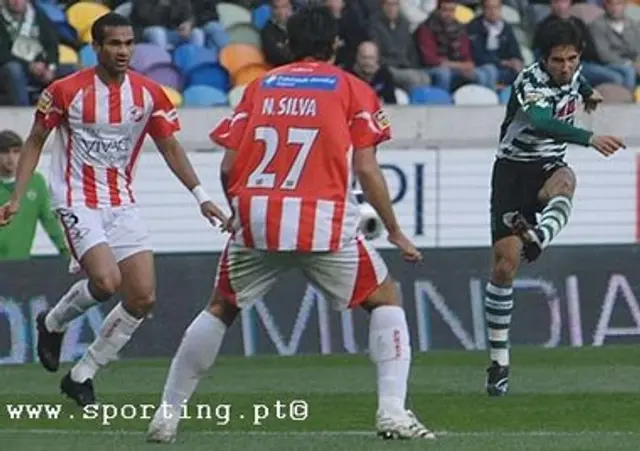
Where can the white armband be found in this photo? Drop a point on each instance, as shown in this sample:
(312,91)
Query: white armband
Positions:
(200,194)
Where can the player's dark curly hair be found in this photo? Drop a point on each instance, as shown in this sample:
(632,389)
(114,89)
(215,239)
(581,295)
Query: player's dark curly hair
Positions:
(312,33)
(112,19)
(560,32)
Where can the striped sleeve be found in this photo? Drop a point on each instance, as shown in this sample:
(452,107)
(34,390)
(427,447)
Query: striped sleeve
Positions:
(164,120)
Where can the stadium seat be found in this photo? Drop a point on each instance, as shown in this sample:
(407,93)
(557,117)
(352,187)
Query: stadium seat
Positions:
(212,75)
(261,15)
(81,15)
(429,95)
(464,14)
(147,55)
(511,15)
(188,56)
(504,95)
(613,93)
(633,12)
(247,74)
(473,94)
(243,33)
(522,36)
(203,96)
(231,14)
(235,95)
(527,55)
(53,12)
(174,96)
(166,74)
(67,55)
(588,12)
(402,98)
(235,56)
(636,95)
(88,56)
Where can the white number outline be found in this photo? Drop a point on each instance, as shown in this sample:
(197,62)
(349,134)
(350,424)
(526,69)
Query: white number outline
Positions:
(305,137)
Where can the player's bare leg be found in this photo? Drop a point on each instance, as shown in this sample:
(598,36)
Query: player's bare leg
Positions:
(138,293)
(198,350)
(498,304)
(556,194)
(102,283)
(390,350)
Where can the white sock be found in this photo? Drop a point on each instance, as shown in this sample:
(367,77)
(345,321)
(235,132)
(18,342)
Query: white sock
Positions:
(117,329)
(72,304)
(198,350)
(390,349)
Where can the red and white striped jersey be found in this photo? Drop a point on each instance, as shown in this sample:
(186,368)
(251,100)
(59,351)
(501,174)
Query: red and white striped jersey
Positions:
(99,133)
(296,130)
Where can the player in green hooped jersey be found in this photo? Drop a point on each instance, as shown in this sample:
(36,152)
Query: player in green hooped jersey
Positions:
(531,178)
(16,239)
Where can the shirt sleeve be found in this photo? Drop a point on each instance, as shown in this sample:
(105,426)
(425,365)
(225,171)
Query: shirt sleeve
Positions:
(369,123)
(228,133)
(164,120)
(50,106)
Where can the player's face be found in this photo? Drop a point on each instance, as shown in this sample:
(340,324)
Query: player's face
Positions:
(9,162)
(115,52)
(562,63)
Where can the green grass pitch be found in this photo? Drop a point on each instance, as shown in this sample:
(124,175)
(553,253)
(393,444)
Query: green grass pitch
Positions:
(560,399)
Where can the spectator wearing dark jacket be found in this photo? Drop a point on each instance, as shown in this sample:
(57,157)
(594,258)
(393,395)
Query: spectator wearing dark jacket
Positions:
(352,28)
(390,32)
(206,19)
(367,67)
(167,23)
(274,35)
(28,51)
(592,68)
(445,50)
(494,43)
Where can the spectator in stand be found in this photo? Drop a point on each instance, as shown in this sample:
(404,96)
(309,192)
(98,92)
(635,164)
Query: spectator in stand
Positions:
(445,50)
(274,35)
(390,31)
(367,67)
(494,44)
(207,20)
(592,68)
(166,23)
(353,29)
(617,39)
(28,51)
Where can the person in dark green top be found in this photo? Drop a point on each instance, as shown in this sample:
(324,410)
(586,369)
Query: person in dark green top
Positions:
(531,178)
(16,239)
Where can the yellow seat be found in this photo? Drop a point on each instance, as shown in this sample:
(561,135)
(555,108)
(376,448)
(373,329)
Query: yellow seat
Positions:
(82,15)
(464,14)
(636,95)
(86,37)
(174,96)
(66,55)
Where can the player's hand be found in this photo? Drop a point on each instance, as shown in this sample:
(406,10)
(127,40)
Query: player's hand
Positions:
(409,251)
(7,211)
(607,145)
(214,214)
(591,103)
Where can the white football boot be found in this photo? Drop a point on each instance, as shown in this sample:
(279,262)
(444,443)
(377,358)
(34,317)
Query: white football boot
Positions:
(164,425)
(403,426)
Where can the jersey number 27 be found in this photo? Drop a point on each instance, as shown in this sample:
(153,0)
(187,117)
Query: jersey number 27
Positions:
(304,137)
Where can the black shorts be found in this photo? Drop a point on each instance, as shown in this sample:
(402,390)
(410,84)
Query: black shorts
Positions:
(514,188)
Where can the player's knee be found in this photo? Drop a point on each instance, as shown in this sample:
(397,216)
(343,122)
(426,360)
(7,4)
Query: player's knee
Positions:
(143,304)
(223,308)
(106,285)
(504,270)
(385,294)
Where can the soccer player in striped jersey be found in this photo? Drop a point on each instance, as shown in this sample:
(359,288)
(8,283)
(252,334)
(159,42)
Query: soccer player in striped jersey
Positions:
(530,175)
(292,145)
(101,117)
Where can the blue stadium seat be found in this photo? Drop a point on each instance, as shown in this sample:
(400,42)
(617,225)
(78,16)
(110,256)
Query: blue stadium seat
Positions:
(212,75)
(428,95)
(88,56)
(504,95)
(188,56)
(53,12)
(261,16)
(203,96)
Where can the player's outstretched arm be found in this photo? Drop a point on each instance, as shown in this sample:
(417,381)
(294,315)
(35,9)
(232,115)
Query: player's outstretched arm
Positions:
(29,158)
(375,190)
(177,160)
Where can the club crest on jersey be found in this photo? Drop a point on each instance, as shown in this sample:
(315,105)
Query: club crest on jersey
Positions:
(533,97)
(45,102)
(381,119)
(135,114)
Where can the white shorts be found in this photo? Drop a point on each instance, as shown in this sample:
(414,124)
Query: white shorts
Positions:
(346,277)
(121,228)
